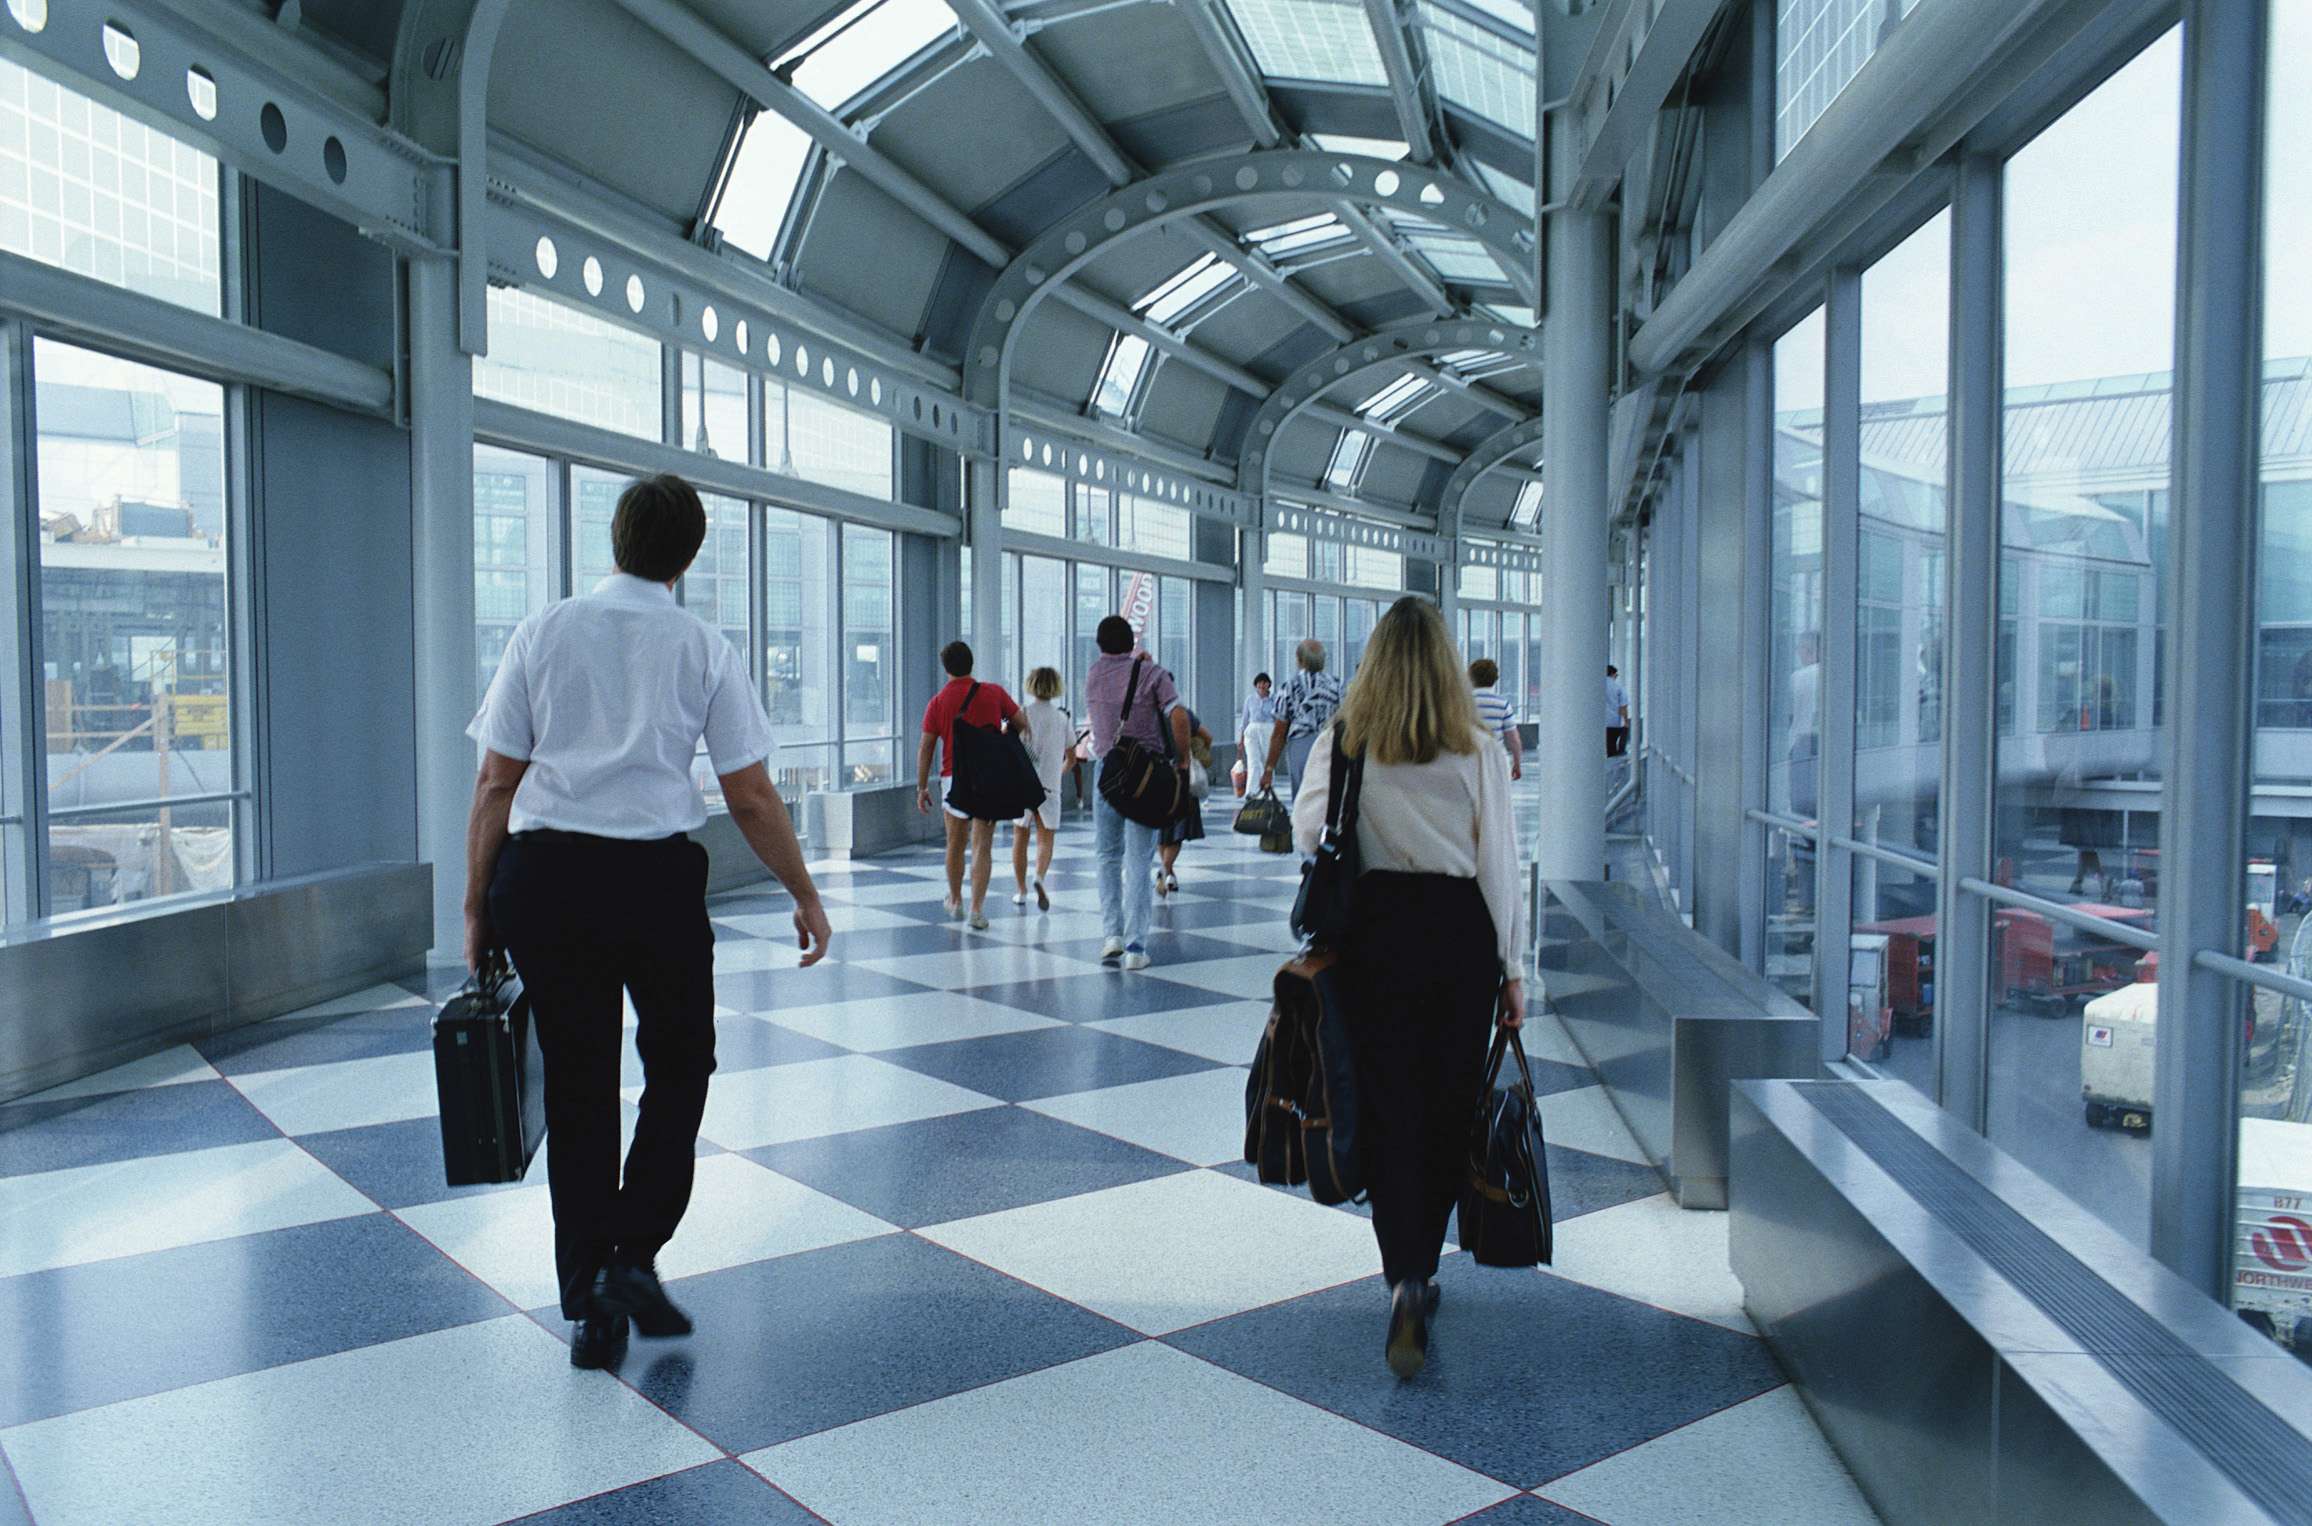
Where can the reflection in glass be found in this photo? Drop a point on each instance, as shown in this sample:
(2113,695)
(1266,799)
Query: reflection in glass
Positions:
(799,647)
(1794,664)
(594,503)
(2272,1255)
(132,559)
(870,657)
(2084,490)
(516,519)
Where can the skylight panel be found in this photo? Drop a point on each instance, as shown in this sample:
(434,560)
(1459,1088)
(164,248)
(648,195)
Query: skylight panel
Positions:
(1516,12)
(1460,260)
(1526,513)
(1191,284)
(1479,70)
(1127,358)
(762,179)
(1515,189)
(862,44)
(1371,148)
(1348,460)
(1523,317)
(1325,40)
(1301,233)
(1394,400)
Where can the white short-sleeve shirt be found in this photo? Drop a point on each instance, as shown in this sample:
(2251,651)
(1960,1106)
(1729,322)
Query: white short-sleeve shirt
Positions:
(608,698)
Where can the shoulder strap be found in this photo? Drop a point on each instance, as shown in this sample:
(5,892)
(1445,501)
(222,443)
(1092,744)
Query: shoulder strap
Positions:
(1130,689)
(1347,781)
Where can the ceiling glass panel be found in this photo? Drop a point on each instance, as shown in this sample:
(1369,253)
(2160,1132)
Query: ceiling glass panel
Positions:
(1348,459)
(763,176)
(1528,507)
(864,43)
(1395,399)
(1371,148)
(1326,40)
(1127,357)
(1514,189)
(1459,259)
(1479,70)
(1191,284)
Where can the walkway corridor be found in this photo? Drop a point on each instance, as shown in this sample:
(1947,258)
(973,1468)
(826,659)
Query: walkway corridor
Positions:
(970,1243)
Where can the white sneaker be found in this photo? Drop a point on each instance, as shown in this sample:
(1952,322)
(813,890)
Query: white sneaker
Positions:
(1112,949)
(1135,958)
(1019,898)
(954,908)
(979,921)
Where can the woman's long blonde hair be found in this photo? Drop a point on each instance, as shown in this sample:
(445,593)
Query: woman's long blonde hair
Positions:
(1410,700)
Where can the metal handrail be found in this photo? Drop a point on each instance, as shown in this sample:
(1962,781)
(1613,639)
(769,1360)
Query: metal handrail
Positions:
(2268,976)
(154,803)
(2117,932)
(1790,824)
(1894,856)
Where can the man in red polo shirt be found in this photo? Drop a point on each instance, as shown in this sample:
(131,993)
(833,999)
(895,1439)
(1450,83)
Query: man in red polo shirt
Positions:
(989,706)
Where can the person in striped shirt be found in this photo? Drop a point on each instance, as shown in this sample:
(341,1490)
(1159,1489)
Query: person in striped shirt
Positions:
(1496,710)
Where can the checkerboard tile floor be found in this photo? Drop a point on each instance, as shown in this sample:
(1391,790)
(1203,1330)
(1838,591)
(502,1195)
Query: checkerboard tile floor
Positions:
(971,1242)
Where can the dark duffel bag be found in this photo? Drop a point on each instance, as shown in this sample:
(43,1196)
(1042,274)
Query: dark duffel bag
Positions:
(1257,816)
(1139,782)
(994,779)
(1505,1199)
(1300,1118)
(491,1079)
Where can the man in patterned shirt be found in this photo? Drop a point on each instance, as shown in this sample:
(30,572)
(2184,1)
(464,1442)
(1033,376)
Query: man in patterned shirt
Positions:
(1304,708)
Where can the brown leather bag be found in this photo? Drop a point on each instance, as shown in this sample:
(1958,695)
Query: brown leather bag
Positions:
(1300,1103)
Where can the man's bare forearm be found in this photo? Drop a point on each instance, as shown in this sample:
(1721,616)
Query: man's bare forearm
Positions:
(485,840)
(763,820)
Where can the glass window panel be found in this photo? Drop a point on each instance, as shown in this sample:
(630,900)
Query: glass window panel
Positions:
(1036,502)
(1819,47)
(1094,514)
(714,408)
(1371,567)
(594,501)
(837,446)
(1327,40)
(798,668)
(1043,615)
(862,43)
(764,173)
(1290,621)
(556,359)
(1361,616)
(1794,673)
(517,522)
(870,658)
(2076,807)
(1459,259)
(1157,529)
(1127,358)
(2269,1282)
(1479,70)
(102,195)
(1095,601)
(1517,190)
(1328,560)
(132,556)
(1287,556)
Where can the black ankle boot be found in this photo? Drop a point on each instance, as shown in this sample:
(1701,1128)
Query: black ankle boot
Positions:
(1408,1347)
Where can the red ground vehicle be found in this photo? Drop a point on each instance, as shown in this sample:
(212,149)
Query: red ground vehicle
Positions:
(1910,971)
(2056,970)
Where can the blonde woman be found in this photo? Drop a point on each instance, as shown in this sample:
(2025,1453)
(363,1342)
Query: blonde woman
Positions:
(1051,734)
(1436,955)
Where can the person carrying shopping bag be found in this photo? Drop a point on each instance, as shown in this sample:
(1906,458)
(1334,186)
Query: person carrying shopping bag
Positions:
(1434,956)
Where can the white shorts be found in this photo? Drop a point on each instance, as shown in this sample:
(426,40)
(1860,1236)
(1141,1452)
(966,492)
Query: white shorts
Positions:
(1047,815)
(947,789)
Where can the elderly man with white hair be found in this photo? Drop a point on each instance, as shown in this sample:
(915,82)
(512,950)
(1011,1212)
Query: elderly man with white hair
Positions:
(1304,708)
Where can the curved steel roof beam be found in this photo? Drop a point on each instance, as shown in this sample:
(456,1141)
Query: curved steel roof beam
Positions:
(1392,349)
(1490,453)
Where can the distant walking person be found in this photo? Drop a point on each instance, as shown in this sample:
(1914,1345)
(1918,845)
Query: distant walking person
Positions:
(1190,826)
(1051,735)
(964,698)
(1304,708)
(1497,712)
(1126,850)
(1617,713)
(1435,951)
(1253,727)
(578,866)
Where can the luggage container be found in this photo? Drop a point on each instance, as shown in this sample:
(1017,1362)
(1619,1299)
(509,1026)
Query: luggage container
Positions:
(2272,1261)
(2116,1039)
(1869,1014)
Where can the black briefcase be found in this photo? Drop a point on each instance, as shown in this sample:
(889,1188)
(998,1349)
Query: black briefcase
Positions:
(491,1079)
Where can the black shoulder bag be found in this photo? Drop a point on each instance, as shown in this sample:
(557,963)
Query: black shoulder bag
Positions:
(1140,783)
(1328,890)
(995,779)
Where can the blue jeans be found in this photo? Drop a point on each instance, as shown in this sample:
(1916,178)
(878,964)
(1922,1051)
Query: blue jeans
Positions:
(1296,758)
(1125,852)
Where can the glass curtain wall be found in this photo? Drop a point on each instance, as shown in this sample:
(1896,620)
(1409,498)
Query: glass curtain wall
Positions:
(517,546)
(1901,545)
(1794,663)
(2076,808)
(870,676)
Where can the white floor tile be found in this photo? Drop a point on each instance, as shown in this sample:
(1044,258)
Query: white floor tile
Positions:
(988,964)
(1763,1462)
(1545,1038)
(1584,1119)
(1175,1251)
(1270,935)
(171,1067)
(1658,1253)
(1228,1033)
(1197,1117)
(377,998)
(739,1212)
(878,1023)
(1142,1434)
(888,895)
(842,919)
(472,1424)
(129,1207)
(746,957)
(347,1094)
(763,1107)
(1252,977)
(1066,922)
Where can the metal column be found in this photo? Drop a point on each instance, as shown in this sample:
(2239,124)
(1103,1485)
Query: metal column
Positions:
(1576,376)
(1252,577)
(1835,708)
(23,713)
(2210,655)
(441,475)
(1757,490)
(1970,651)
(983,520)
(1719,825)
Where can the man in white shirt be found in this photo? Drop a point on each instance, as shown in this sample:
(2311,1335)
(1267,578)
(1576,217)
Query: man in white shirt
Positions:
(1617,713)
(579,867)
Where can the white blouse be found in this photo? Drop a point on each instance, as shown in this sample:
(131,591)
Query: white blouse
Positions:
(1448,816)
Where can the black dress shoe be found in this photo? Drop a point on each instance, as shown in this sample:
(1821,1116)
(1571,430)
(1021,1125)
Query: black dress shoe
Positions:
(1408,1347)
(632,1288)
(600,1343)
(1436,1295)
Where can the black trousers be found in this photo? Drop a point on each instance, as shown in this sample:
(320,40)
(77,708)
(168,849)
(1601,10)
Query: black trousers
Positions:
(585,920)
(1426,976)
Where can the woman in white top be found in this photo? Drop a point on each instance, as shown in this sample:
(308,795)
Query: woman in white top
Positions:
(1437,954)
(1051,737)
